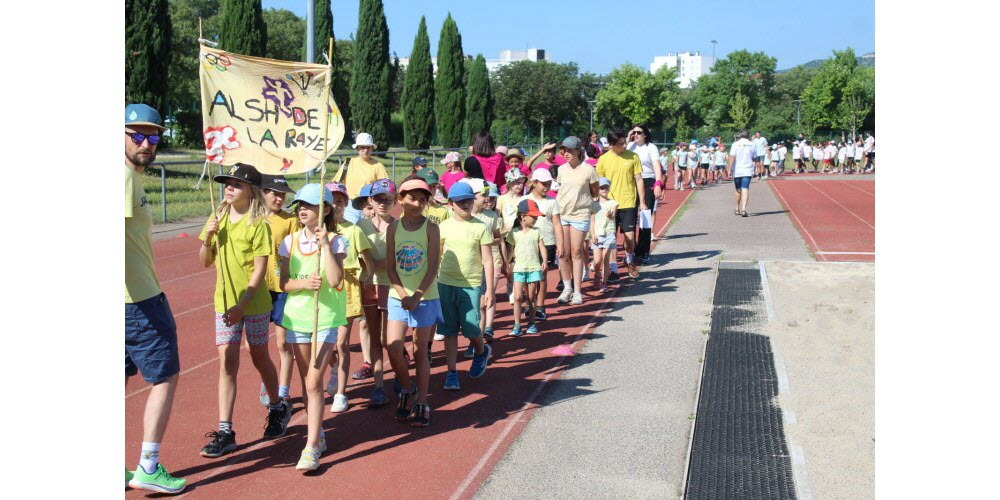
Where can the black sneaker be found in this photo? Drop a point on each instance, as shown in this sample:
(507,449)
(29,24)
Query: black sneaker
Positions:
(613,278)
(540,314)
(404,411)
(421,415)
(222,442)
(277,421)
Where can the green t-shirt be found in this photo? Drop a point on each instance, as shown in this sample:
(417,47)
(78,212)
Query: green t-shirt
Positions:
(604,225)
(378,241)
(525,243)
(412,250)
(356,243)
(239,243)
(621,171)
(493,222)
(461,252)
(140,275)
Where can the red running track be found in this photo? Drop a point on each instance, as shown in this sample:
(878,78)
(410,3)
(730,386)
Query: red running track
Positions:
(835,217)
(369,451)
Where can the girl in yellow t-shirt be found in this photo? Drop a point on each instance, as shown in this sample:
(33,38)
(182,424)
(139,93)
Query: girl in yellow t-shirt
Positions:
(413,251)
(530,255)
(242,300)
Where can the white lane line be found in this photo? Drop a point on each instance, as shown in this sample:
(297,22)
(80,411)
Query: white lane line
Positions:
(766,291)
(847,253)
(531,399)
(799,473)
(839,205)
(859,189)
(802,226)
(187,276)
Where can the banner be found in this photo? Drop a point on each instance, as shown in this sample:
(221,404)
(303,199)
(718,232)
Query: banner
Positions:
(266,113)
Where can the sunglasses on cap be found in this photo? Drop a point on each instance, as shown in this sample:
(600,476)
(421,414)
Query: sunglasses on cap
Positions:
(137,138)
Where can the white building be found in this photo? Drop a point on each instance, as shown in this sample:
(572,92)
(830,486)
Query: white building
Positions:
(690,66)
(508,56)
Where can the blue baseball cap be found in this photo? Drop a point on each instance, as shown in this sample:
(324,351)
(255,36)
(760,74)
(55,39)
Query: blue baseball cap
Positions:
(493,193)
(310,194)
(362,198)
(460,191)
(143,114)
(383,186)
(420,160)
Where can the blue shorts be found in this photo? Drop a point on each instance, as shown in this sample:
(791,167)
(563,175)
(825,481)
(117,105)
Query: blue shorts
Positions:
(428,313)
(527,276)
(606,242)
(583,226)
(460,310)
(742,182)
(151,340)
(329,336)
(278,307)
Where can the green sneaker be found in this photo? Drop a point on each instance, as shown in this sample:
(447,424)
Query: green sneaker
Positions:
(160,481)
(128,477)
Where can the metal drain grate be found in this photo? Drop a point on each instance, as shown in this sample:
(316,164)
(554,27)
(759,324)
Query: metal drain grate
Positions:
(739,449)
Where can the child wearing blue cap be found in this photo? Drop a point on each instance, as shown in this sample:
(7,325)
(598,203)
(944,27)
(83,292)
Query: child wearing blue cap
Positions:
(312,260)
(465,253)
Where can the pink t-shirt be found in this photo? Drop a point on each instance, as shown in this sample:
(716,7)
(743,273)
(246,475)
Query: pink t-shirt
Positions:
(450,178)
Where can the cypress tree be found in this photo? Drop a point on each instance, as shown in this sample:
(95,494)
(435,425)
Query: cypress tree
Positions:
(418,93)
(322,33)
(370,78)
(449,94)
(477,102)
(147,52)
(242,30)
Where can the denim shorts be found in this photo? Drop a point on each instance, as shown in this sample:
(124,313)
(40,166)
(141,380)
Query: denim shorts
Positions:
(329,336)
(278,307)
(460,310)
(527,276)
(151,340)
(428,313)
(742,182)
(608,241)
(583,225)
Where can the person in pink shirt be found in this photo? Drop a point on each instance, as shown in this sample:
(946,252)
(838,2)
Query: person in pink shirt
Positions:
(453,170)
(484,162)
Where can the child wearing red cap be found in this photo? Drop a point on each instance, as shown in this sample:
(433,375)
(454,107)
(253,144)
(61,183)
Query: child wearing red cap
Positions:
(529,253)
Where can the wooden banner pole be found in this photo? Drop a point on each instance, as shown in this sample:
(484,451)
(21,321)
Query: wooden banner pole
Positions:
(322,185)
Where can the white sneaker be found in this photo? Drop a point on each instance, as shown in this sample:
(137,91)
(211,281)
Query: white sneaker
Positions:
(565,295)
(577,299)
(331,386)
(586,275)
(438,337)
(339,404)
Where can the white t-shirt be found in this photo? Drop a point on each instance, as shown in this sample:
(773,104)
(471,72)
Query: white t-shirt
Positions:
(850,149)
(806,152)
(760,145)
(720,158)
(859,152)
(870,145)
(647,153)
(742,152)
(830,152)
(306,247)
(782,153)
(841,154)
(796,153)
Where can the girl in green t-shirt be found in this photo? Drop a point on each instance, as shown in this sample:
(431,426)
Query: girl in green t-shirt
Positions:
(530,255)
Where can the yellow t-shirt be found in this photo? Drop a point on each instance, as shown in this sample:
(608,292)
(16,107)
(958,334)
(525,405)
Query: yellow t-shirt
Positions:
(282,224)
(239,243)
(360,173)
(492,221)
(140,274)
(544,224)
(356,242)
(621,171)
(525,243)
(437,213)
(507,208)
(461,252)
(604,225)
(412,250)
(377,241)
(574,198)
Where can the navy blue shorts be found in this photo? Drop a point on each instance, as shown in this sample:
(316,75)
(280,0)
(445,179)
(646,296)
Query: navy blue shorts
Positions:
(278,307)
(151,340)
(742,182)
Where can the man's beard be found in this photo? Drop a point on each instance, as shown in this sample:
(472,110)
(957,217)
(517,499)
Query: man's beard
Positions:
(139,162)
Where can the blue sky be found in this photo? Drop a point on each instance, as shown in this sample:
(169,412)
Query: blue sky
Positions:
(600,35)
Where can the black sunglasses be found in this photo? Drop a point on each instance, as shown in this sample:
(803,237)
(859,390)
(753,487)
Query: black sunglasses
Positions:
(637,132)
(137,138)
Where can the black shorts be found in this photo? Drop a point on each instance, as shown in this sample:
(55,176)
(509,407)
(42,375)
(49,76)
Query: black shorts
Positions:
(625,219)
(871,156)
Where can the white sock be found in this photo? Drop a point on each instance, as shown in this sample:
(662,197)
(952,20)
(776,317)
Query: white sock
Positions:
(149,457)
(282,391)
(628,258)
(568,284)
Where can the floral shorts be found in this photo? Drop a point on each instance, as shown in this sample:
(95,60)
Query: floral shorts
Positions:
(256,327)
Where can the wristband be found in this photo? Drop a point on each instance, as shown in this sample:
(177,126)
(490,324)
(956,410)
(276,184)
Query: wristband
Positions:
(658,184)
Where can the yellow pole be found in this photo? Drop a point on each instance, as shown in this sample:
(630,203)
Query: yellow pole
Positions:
(322,185)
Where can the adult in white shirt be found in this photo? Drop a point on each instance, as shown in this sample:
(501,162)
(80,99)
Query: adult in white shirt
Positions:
(782,154)
(869,152)
(652,182)
(849,155)
(742,165)
(797,156)
(760,149)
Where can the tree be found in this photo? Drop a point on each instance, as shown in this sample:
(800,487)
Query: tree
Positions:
(397,75)
(322,33)
(841,94)
(242,29)
(632,95)
(858,101)
(147,52)
(780,116)
(740,112)
(538,92)
(750,74)
(418,93)
(477,102)
(449,93)
(370,78)
(285,34)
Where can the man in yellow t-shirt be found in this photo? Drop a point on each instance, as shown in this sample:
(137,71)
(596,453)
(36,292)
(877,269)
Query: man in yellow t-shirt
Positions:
(623,169)
(150,331)
(358,172)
